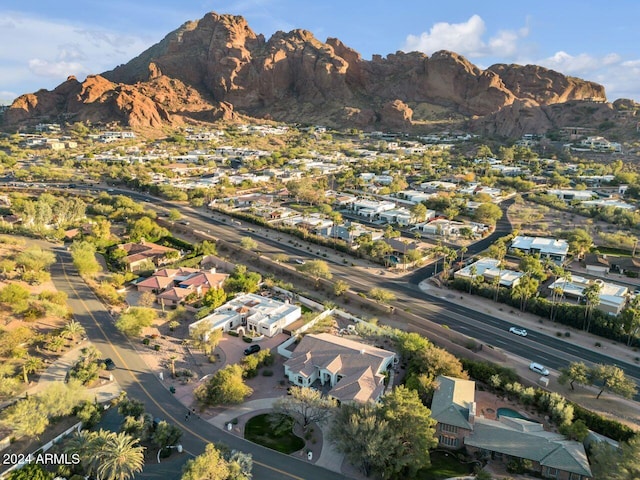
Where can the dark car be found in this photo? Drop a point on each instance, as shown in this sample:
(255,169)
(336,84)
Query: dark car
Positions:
(252,349)
(109,365)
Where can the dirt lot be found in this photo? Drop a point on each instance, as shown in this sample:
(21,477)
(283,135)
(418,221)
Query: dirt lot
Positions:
(539,220)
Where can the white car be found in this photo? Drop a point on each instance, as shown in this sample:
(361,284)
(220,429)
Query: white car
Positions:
(518,331)
(536,367)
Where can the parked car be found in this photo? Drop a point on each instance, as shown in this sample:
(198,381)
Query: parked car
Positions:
(536,367)
(518,331)
(252,349)
(299,261)
(109,364)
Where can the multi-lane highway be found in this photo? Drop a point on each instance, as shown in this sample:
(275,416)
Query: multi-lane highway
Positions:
(550,351)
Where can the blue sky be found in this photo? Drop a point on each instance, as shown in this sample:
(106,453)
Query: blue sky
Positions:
(45,41)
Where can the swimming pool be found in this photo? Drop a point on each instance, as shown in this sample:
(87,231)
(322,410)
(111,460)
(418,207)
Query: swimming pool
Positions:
(509,412)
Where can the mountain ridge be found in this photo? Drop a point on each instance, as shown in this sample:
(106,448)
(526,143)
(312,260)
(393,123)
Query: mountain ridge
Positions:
(218,68)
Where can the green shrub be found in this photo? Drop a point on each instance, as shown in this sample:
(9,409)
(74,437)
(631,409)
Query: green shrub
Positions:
(267,373)
(146,341)
(233,334)
(156,347)
(247,339)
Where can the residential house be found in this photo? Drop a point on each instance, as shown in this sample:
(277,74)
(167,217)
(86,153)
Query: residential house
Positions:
(196,284)
(437,185)
(571,195)
(349,231)
(597,264)
(173,285)
(505,439)
(553,249)
(415,196)
(400,216)
(609,202)
(444,227)
(624,265)
(262,315)
(138,255)
(613,297)
(371,208)
(454,410)
(353,370)
(489,269)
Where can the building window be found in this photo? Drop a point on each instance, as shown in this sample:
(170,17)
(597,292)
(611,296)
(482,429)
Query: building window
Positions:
(448,428)
(552,472)
(448,441)
(575,476)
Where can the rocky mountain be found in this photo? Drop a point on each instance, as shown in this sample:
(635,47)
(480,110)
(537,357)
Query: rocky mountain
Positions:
(217,67)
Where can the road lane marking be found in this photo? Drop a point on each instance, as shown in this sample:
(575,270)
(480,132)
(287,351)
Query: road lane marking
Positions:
(135,379)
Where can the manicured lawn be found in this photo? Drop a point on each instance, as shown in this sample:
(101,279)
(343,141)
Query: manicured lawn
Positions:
(259,430)
(445,465)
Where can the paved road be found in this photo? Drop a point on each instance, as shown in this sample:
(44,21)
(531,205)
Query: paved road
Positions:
(549,351)
(503,227)
(139,382)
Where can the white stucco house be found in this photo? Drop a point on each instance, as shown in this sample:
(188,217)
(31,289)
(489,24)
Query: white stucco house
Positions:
(262,315)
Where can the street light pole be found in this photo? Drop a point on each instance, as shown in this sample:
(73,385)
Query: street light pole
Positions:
(177,447)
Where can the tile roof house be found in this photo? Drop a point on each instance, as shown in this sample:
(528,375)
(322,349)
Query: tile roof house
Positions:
(354,371)
(173,285)
(140,253)
(551,454)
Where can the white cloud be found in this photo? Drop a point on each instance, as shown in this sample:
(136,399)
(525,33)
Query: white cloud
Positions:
(466,38)
(7,97)
(44,68)
(42,53)
(619,76)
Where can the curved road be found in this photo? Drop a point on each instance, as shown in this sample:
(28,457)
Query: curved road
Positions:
(139,382)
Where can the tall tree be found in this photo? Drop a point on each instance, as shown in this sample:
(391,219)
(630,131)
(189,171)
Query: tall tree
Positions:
(225,387)
(391,439)
(612,379)
(526,288)
(305,405)
(362,436)
(205,338)
(591,296)
(209,465)
(118,456)
(414,433)
(576,372)
(580,242)
(317,269)
(616,463)
(631,319)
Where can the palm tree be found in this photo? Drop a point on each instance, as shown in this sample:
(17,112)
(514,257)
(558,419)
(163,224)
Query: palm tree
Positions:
(350,229)
(83,444)
(31,365)
(72,330)
(473,272)
(336,218)
(55,344)
(463,250)
(591,295)
(120,457)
